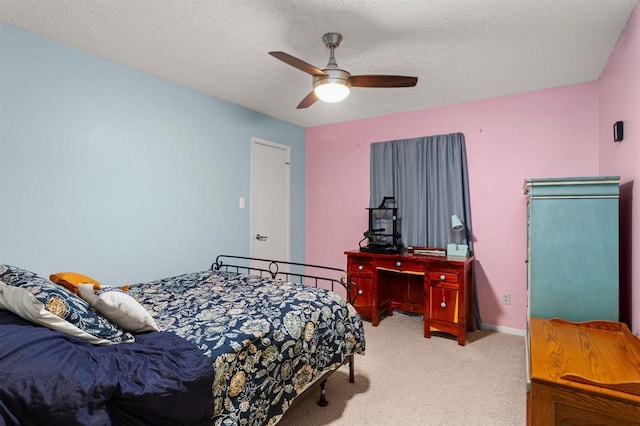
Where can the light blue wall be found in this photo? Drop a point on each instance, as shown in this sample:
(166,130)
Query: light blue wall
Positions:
(120,175)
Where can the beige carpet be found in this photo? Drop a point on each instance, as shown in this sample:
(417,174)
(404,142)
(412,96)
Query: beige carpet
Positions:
(405,379)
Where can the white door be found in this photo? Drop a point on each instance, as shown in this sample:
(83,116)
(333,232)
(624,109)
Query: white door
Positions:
(270,200)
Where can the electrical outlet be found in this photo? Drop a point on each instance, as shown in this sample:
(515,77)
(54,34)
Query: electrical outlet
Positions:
(506,298)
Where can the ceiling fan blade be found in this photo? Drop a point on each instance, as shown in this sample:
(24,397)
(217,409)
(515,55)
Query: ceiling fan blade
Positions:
(308,100)
(297,63)
(382,81)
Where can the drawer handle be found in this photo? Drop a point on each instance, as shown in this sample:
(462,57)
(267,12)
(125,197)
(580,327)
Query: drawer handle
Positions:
(443,305)
(360,267)
(398,264)
(359,291)
(442,277)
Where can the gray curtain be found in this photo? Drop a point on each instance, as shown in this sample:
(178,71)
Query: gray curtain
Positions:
(429,180)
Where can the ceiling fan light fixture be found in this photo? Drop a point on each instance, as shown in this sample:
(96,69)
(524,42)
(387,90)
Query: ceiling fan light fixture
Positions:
(331,91)
(332,87)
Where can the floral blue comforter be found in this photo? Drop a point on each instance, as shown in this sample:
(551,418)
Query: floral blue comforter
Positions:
(268,340)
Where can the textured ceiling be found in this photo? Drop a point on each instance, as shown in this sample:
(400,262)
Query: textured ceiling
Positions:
(460,50)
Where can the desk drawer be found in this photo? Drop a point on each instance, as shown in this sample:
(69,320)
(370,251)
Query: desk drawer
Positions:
(400,265)
(449,276)
(359,266)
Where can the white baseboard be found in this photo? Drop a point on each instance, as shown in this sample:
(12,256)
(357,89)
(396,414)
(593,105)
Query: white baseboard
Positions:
(506,330)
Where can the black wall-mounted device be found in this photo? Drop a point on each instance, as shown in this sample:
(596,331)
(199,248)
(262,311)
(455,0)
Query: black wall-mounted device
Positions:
(618,131)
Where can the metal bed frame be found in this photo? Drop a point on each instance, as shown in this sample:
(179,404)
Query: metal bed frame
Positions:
(308,274)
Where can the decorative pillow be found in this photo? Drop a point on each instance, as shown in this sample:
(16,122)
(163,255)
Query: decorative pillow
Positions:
(120,308)
(38,300)
(70,280)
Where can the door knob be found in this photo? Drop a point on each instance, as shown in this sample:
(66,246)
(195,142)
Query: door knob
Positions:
(261,237)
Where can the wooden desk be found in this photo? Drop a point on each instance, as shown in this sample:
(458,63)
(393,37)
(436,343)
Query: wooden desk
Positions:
(583,373)
(438,287)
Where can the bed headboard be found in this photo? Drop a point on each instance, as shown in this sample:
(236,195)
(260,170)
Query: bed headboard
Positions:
(313,275)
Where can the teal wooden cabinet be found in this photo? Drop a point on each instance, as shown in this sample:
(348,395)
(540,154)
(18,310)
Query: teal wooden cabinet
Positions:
(572,254)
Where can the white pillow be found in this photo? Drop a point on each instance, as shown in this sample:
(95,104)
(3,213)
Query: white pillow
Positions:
(119,307)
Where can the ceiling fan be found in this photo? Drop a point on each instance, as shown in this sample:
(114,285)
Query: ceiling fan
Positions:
(333,84)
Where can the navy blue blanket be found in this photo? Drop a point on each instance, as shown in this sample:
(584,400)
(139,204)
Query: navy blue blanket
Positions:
(48,377)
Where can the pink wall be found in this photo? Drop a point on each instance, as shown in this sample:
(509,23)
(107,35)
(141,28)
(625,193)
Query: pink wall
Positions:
(550,133)
(619,93)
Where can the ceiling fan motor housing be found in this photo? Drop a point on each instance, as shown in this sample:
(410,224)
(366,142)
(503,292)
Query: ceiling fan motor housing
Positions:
(334,76)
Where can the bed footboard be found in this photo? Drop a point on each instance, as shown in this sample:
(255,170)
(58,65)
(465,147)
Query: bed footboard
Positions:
(313,275)
(325,277)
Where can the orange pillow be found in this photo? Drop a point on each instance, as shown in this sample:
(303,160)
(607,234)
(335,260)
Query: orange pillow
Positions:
(71,280)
